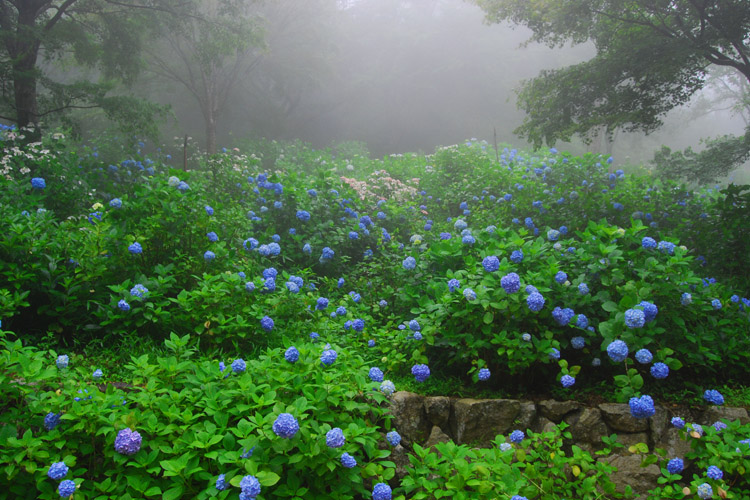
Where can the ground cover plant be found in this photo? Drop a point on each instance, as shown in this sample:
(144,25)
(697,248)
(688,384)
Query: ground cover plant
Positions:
(237,328)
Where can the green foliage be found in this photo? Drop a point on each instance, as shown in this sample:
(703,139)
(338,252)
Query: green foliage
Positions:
(195,422)
(648,61)
(536,468)
(719,157)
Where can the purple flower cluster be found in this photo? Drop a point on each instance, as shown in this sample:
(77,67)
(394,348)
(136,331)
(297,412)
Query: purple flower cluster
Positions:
(420,372)
(511,283)
(128,442)
(285,426)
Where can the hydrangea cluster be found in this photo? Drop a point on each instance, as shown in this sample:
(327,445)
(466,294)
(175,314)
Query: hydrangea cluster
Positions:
(563,316)
(516,436)
(393,438)
(239,365)
(348,461)
(578,342)
(291,354)
(469,294)
(453,285)
(381,491)
(57,471)
(51,420)
(511,283)
(635,318)
(675,466)
(420,372)
(583,289)
(135,248)
(617,351)
(714,397)
(62,361)
(128,442)
(266,323)
(516,256)
(642,407)
(250,487)
(705,491)
(491,263)
(409,263)
(567,381)
(714,472)
(644,356)
(535,301)
(484,374)
(660,371)
(66,488)
(375,374)
(335,438)
(221,483)
(561,277)
(328,357)
(285,426)
(387,387)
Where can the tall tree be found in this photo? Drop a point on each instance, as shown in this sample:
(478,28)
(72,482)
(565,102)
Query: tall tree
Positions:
(651,56)
(106,35)
(210,54)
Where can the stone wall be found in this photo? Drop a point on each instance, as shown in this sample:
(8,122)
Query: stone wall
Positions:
(427,420)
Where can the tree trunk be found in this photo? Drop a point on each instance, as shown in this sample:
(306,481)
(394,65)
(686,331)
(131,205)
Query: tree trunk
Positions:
(211,132)
(24,51)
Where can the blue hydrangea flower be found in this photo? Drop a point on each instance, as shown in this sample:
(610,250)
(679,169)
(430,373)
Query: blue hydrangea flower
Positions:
(578,342)
(635,318)
(393,438)
(97,374)
(115,203)
(719,425)
(51,420)
(209,256)
(62,361)
(714,472)
(453,285)
(348,461)
(517,436)
(505,446)
(678,422)
(414,325)
(250,486)
(642,407)
(123,305)
(335,438)
(138,291)
(266,323)
(660,370)
(307,249)
(583,289)
(445,236)
(249,286)
(57,471)
(563,316)
(383,303)
(387,387)
(648,243)
(491,264)
(666,247)
(66,488)
(554,354)
(649,310)
(460,225)
(381,491)
(358,324)
(285,426)
(292,287)
(371,343)
(291,354)
(582,321)
(644,356)
(511,283)
(38,183)
(375,374)
(183,186)
(221,483)
(675,466)
(328,357)
(617,351)
(567,381)
(128,442)
(135,248)
(518,497)
(321,304)
(469,294)
(535,301)
(705,491)
(553,235)
(516,256)
(239,365)
(561,277)
(484,374)
(420,372)
(716,304)
(714,397)
(409,263)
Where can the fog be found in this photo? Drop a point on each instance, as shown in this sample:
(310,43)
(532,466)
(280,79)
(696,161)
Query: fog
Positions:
(403,76)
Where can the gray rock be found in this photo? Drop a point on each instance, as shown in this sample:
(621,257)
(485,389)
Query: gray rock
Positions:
(715,413)
(658,424)
(556,410)
(436,436)
(438,410)
(400,458)
(543,424)
(527,416)
(587,428)
(671,442)
(480,420)
(618,417)
(629,439)
(408,412)
(630,472)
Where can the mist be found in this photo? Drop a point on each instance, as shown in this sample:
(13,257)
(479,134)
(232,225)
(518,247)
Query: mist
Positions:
(405,76)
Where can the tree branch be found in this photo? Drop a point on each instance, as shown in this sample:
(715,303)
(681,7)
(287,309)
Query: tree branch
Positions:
(60,12)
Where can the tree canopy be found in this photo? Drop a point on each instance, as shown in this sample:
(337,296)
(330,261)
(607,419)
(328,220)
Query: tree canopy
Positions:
(651,56)
(103,36)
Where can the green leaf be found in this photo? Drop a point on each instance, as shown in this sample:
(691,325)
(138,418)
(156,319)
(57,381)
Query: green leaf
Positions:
(267,478)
